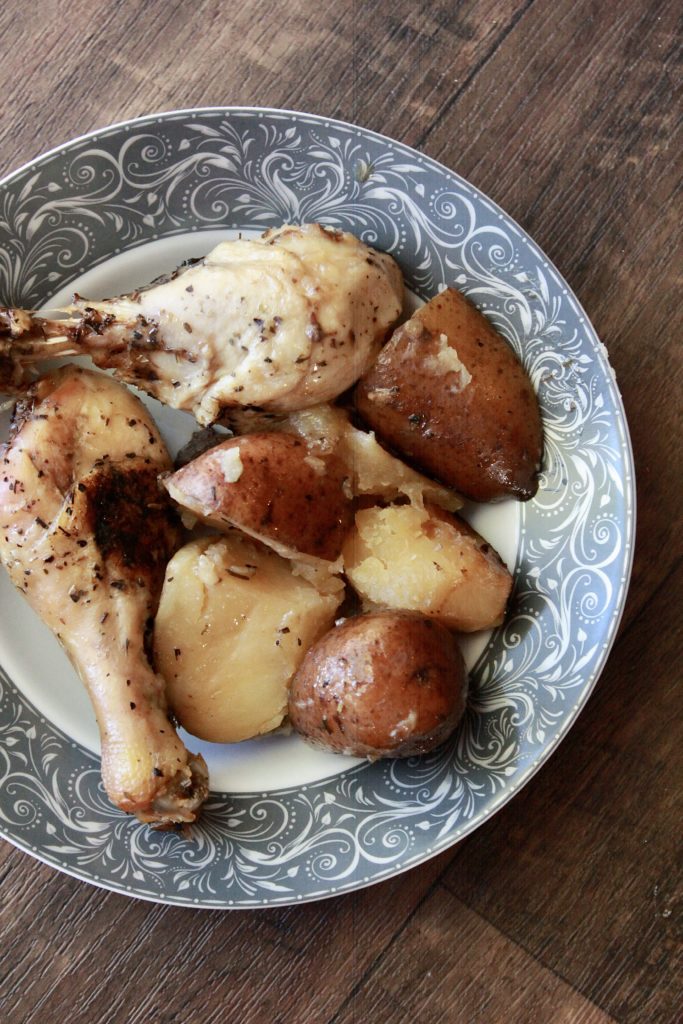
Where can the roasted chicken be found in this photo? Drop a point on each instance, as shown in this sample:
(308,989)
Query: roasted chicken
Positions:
(85,534)
(280,323)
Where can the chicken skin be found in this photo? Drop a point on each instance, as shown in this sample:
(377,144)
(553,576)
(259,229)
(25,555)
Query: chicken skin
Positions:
(85,534)
(278,323)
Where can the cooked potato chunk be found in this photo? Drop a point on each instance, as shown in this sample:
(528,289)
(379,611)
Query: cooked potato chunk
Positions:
(273,487)
(372,470)
(427,561)
(232,627)
(448,392)
(388,684)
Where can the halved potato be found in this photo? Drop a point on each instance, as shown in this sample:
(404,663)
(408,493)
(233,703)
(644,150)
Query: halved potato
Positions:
(233,624)
(273,488)
(428,561)
(448,392)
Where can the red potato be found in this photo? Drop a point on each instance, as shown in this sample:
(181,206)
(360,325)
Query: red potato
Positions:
(274,488)
(381,685)
(448,392)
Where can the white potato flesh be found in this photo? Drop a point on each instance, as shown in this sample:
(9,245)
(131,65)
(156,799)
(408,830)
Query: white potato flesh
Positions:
(372,469)
(376,471)
(233,625)
(424,560)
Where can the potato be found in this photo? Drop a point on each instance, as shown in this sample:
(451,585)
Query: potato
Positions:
(372,469)
(449,393)
(381,685)
(273,488)
(427,561)
(232,627)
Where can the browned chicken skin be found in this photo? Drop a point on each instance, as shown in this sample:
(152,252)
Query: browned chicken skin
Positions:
(85,534)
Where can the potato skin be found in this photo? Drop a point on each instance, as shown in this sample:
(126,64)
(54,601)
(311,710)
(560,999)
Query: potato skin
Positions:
(478,429)
(273,487)
(385,684)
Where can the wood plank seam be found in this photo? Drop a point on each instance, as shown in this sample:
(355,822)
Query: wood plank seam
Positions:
(377,960)
(469,78)
(370,996)
(532,956)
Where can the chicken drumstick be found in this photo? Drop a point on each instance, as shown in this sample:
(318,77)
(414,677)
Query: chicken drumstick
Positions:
(280,323)
(85,534)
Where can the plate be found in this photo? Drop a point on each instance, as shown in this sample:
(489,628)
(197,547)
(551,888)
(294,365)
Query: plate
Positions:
(111,209)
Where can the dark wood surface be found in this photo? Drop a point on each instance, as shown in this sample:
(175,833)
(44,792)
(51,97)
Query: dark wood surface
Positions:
(563,907)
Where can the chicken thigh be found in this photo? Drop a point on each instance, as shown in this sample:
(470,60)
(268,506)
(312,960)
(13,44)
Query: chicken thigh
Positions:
(85,534)
(280,323)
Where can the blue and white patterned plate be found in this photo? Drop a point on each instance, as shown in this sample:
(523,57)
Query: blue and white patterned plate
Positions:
(111,209)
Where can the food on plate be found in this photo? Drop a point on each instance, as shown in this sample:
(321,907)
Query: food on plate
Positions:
(263,335)
(273,487)
(371,469)
(233,624)
(448,392)
(380,685)
(85,534)
(428,561)
(280,322)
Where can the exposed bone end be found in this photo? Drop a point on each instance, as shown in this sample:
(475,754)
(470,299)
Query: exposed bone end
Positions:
(178,800)
(14,323)
(26,339)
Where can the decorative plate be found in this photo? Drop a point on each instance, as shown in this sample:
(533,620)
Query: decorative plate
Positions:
(110,210)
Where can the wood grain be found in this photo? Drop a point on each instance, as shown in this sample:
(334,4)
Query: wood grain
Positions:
(565,907)
(450,957)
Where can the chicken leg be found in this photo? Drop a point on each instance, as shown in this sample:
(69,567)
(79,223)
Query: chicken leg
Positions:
(280,323)
(85,535)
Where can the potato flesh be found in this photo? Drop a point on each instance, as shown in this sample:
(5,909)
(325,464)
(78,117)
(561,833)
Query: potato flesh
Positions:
(372,469)
(233,625)
(403,557)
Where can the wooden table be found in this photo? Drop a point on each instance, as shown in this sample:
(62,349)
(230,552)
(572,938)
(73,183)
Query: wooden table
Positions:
(562,908)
